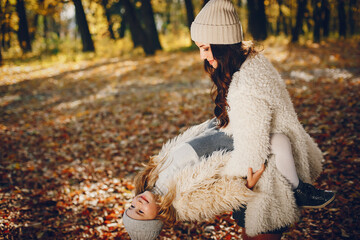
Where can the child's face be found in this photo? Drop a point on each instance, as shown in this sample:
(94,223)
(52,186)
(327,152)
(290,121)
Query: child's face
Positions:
(143,207)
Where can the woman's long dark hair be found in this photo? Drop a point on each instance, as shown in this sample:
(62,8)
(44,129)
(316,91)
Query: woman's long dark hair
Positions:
(229,59)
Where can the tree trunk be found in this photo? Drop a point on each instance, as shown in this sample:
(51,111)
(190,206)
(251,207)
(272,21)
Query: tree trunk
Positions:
(137,32)
(1,60)
(122,28)
(150,25)
(257,19)
(308,21)
(317,20)
(87,42)
(279,19)
(33,31)
(2,23)
(133,31)
(5,27)
(23,32)
(55,26)
(5,32)
(104,3)
(342,18)
(285,21)
(127,12)
(46,29)
(352,9)
(189,12)
(325,12)
(299,20)
(167,16)
(8,32)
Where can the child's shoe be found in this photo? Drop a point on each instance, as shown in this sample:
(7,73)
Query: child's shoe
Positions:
(307,196)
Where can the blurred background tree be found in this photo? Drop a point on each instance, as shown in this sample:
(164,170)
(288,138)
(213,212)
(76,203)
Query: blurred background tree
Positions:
(36,27)
(86,39)
(257,19)
(23,30)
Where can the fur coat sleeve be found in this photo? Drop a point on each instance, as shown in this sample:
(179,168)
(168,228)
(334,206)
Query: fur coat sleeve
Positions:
(250,126)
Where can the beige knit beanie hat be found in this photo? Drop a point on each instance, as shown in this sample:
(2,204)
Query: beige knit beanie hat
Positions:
(217,23)
(142,229)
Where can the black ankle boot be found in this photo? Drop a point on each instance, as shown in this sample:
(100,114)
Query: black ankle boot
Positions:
(307,196)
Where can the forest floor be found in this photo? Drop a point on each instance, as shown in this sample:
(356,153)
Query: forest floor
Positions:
(73,135)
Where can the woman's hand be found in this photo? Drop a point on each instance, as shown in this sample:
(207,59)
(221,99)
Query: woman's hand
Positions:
(253,178)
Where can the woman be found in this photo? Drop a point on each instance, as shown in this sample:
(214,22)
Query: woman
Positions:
(252,103)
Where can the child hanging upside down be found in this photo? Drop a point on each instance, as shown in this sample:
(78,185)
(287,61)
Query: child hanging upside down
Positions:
(184,182)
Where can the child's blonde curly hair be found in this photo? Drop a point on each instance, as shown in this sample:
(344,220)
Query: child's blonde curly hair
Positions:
(145,180)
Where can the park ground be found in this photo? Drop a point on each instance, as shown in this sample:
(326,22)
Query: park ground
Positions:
(73,135)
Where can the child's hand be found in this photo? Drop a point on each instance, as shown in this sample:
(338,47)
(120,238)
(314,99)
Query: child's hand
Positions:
(253,178)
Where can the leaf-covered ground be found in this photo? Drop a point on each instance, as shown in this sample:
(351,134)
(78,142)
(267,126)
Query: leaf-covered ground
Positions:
(73,135)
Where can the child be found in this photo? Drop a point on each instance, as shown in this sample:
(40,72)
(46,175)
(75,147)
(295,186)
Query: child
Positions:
(183,182)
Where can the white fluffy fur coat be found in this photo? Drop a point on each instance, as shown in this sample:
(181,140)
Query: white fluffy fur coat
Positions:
(259,105)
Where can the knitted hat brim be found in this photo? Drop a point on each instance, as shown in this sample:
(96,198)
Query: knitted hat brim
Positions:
(142,229)
(211,34)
